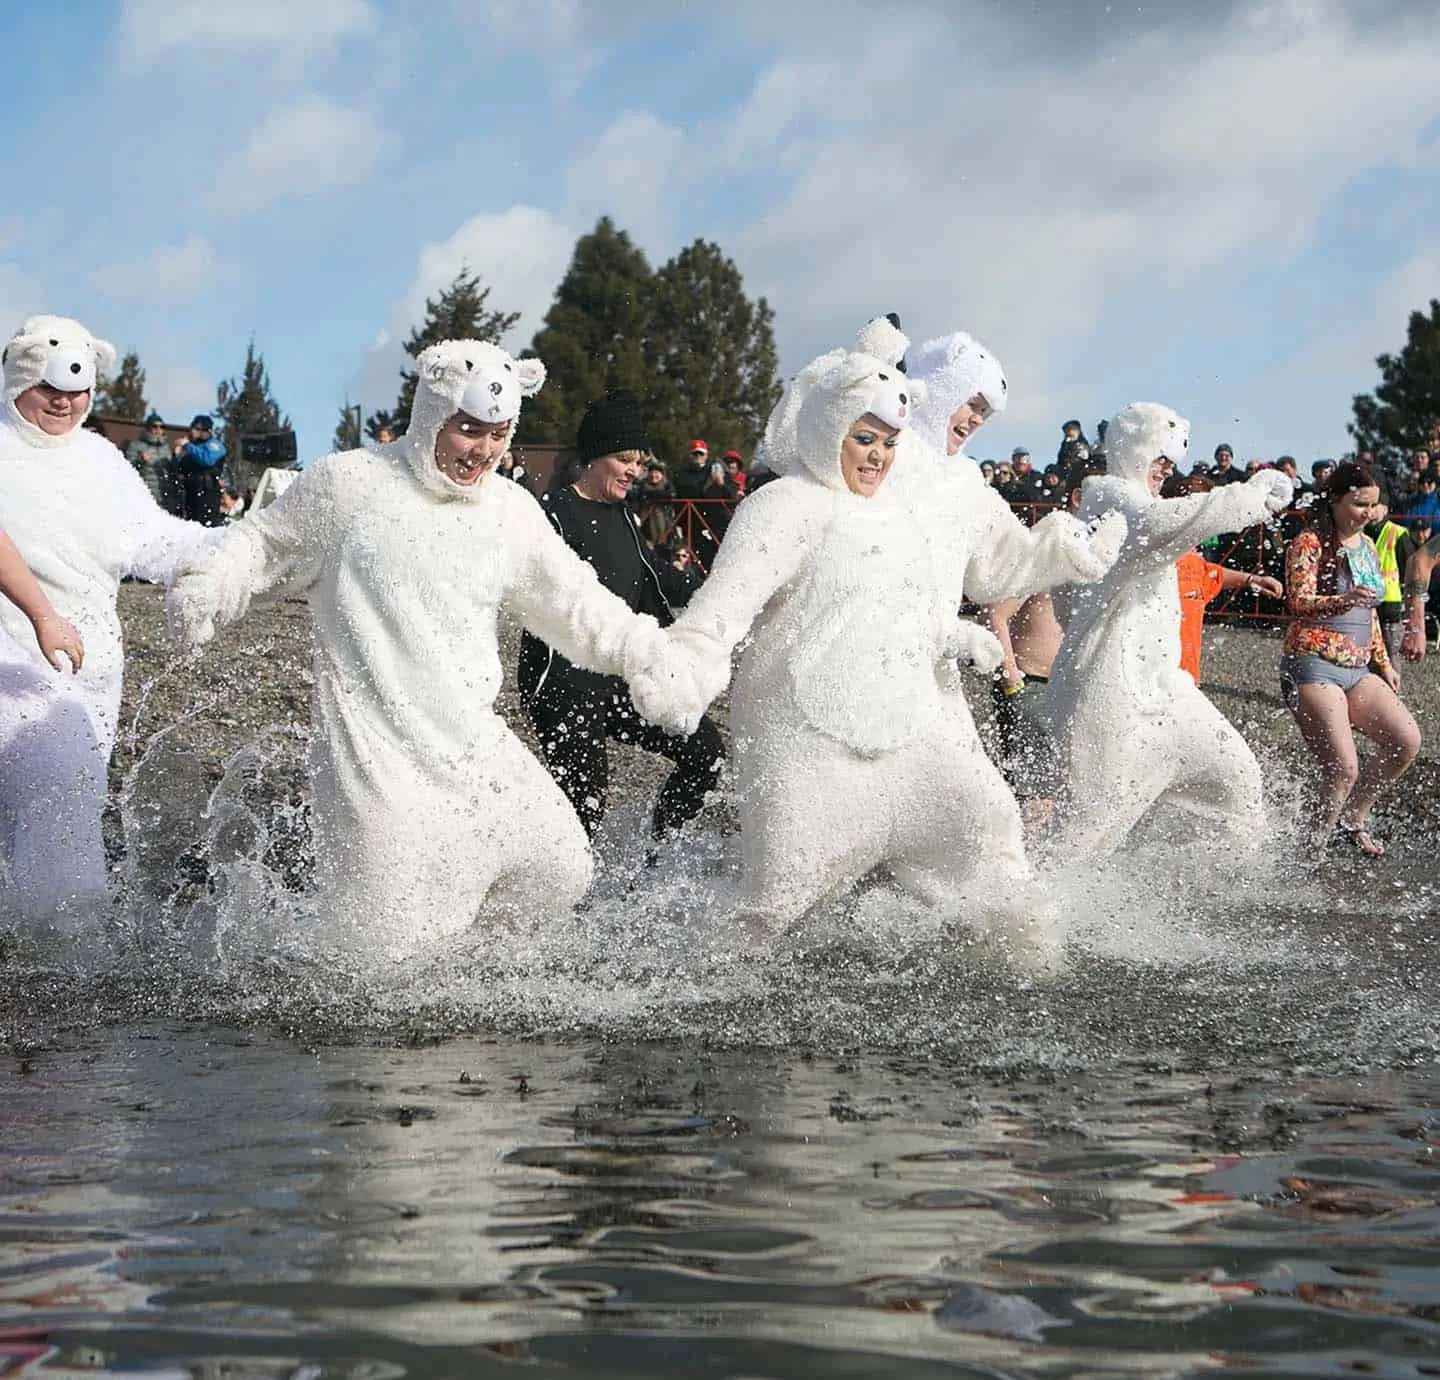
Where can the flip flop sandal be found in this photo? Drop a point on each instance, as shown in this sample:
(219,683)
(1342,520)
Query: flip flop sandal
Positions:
(1356,837)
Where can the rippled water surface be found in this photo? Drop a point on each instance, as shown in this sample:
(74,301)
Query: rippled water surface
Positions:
(185,1199)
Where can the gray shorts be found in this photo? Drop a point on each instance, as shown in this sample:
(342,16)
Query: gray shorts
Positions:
(1296,671)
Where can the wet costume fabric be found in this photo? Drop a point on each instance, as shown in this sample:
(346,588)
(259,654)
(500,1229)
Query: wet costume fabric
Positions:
(846,751)
(83,520)
(428,812)
(1134,728)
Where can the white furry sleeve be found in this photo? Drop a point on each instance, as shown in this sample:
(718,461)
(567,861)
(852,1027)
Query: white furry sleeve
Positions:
(1010,561)
(765,546)
(281,546)
(159,543)
(1164,529)
(558,597)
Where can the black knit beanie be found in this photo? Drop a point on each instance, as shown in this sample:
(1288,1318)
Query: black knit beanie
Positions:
(610,424)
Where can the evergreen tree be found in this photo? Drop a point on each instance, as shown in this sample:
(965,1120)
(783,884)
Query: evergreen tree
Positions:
(594,336)
(347,429)
(246,407)
(458,313)
(1402,414)
(713,351)
(124,395)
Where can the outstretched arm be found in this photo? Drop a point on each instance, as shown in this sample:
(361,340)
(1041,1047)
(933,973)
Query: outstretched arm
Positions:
(1012,561)
(281,546)
(53,633)
(1164,529)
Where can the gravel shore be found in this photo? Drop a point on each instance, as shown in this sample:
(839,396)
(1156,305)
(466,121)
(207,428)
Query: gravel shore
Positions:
(255,679)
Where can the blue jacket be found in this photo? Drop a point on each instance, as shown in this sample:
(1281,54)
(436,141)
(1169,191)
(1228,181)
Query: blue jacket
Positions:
(202,455)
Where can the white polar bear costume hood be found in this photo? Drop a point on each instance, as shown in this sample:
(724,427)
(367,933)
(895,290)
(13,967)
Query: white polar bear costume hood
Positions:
(1140,434)
(807,427)
(472,376)
(57,351)
(952,369)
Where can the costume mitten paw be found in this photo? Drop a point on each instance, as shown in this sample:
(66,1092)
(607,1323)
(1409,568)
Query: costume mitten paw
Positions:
(1278,489)
(970,642)
(1106,537)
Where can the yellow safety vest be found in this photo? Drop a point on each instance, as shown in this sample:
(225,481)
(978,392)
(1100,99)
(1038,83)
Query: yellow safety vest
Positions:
(1389,564)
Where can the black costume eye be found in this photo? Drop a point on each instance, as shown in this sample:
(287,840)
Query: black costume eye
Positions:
(469,363)
(55,342)
(904,398)
(884,378)
(497,388)
(509,370)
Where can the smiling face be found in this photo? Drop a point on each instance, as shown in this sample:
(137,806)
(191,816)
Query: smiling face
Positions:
(466,449)
(866,454)
(965,421)
(52,411)
(1353,509)
(607,478)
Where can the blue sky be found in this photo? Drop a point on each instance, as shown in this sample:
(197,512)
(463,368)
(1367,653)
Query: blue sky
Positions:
(1229,208)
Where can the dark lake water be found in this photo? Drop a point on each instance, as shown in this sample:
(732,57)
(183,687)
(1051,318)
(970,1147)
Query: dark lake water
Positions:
(862,1159)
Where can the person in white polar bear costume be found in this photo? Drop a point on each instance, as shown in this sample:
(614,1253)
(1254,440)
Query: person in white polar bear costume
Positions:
(846,756)
(988,554)
(428,814)
(1135,729)
(82,519)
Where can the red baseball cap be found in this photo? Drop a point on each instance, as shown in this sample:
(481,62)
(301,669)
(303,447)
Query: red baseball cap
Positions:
(732,455)
(699,445)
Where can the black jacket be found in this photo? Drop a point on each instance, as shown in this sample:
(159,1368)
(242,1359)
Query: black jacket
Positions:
(604,534)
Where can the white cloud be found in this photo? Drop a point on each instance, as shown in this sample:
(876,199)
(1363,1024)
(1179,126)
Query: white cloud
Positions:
(520,254)
(152,29)
(169,273)
(177,390)
(302,151)
(634,172)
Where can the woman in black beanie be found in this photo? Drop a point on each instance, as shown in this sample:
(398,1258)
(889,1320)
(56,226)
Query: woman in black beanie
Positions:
(575,711)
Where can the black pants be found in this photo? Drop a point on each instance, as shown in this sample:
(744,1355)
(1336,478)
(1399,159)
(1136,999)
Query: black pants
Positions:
(573,724)
(202,497)
(1029,759)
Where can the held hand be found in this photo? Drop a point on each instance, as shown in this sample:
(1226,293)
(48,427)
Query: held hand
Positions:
(1094,549)
(1412,645)
(57,636)
(1391,677)
(1269,586)
(1363,597)
(970,642)
(1279,490)
(192,605)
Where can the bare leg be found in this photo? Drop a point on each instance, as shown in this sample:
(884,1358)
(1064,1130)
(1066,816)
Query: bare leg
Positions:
(1323,717)
(1376,710)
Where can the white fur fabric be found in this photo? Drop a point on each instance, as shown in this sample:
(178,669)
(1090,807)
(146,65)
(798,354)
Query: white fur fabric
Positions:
(1134,729)
(445,374)
(953,369)
(430,816)
(83,519)
(55,350)
(846,752)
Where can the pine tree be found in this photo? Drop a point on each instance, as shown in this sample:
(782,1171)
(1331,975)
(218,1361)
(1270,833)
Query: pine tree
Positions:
(347,429)
(124,395)
(713,352)
(458,313)
(246,407)
(1403,412)
(595,334)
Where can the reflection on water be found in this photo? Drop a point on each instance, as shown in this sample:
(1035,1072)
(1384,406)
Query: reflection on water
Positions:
(218,1202)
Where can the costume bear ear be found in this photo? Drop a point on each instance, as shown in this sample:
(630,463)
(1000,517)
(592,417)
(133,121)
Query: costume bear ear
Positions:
(444,368)
(104,355)
(531,374)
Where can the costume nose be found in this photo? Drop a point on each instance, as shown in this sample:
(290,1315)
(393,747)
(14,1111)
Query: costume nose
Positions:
(70,370)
